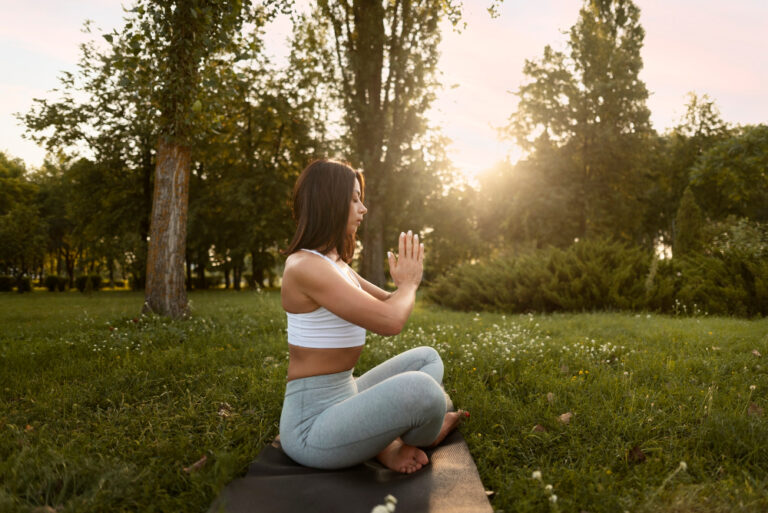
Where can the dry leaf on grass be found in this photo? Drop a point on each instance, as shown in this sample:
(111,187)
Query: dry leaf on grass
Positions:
(539,428)
(196,465)
(550,397)
(44,509)
(756,353)
(636,455)
(754,410)
(565,418)
(225,410)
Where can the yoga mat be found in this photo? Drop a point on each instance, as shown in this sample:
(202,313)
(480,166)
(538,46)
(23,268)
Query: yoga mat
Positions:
(276,484)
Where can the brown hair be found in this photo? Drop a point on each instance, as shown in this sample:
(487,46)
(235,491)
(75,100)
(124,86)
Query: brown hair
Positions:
(321,199)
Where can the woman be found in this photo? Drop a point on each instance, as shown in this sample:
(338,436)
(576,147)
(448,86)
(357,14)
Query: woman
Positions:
(331,419)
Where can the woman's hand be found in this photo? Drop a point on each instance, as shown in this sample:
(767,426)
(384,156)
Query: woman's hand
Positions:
(407,266)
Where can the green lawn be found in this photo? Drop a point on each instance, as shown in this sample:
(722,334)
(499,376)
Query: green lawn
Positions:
(101,410)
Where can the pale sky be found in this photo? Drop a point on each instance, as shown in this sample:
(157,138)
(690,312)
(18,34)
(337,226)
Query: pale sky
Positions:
(706,46)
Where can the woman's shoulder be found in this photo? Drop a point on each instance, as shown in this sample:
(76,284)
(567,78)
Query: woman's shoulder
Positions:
(303,262)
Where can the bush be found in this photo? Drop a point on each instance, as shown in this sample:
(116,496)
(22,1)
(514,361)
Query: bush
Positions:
(589,275)
(114,284)
(6,283)
(24,284)
(53,283)
(81,282)
(732,283)
(602,275)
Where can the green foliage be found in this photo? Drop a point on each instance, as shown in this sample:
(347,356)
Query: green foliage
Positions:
(728,283)
(589,275)
(88,283)
(601,275)
(529,202)
(452,237)
(384,75)
(55,283)
(731,178)
(23,233)
(671,157)
(738,235)
(689,226)
(23,284)
(6,283)
(588,107)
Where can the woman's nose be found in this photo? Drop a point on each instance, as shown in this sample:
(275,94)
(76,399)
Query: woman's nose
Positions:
(363,209)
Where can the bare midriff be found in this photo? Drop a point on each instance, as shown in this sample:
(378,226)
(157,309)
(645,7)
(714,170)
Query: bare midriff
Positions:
(308,361)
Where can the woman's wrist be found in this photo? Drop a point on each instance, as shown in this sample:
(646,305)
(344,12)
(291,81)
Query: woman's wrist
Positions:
(408,287)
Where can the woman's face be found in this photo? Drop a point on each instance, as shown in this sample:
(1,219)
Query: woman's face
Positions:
(356,210)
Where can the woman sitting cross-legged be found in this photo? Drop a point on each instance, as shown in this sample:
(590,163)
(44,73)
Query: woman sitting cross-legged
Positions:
(331,419)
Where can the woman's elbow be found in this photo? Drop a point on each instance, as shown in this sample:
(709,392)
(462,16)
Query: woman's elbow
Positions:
(390,327)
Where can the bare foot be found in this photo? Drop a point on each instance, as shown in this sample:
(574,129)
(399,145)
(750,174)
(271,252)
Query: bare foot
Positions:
(452,419)
(400,457)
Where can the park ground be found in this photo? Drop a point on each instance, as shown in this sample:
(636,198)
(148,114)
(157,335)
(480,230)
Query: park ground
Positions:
(102,409)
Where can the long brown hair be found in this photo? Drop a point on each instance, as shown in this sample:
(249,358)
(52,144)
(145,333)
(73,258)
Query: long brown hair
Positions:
(321,199)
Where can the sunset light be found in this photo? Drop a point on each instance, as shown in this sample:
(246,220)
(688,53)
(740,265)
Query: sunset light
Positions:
(376,256)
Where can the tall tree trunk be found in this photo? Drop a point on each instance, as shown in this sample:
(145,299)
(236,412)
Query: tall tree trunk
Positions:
(189,272)
(373,248)
(237,273)
(165,292)
(201,261)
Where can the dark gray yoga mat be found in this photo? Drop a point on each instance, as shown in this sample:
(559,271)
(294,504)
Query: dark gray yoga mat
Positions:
(276,484)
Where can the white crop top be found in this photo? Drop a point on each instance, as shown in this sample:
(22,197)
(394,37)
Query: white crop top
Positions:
(322,328)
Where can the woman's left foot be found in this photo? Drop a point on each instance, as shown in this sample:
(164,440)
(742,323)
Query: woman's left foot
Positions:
(450,422)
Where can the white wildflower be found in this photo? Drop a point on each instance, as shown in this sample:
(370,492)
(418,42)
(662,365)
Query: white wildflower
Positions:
(536,475)
(553,498)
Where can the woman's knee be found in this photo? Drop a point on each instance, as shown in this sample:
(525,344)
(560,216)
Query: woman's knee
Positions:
(433,364)
(429,354)
(424,392)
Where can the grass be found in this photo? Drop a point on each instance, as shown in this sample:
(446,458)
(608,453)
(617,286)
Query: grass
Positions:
(102,410)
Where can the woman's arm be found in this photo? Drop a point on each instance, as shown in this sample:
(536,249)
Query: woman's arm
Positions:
(385,316)
(370,288)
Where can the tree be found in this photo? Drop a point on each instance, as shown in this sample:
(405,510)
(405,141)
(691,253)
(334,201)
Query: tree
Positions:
(590,103)
(22,229)
(671,157)
(176,38)
(386,56)
(690,226)
(730,178)
(105,113)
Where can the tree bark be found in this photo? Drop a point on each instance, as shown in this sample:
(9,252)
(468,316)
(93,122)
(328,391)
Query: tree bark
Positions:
(165,293)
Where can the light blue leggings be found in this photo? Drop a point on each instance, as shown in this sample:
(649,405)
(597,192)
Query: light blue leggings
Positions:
(335,421)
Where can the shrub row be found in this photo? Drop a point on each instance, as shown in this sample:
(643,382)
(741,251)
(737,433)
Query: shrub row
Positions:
(23,284)
(54,283)
(81,282)
(605,275)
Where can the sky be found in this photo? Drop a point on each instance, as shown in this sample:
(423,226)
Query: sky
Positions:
(705,46)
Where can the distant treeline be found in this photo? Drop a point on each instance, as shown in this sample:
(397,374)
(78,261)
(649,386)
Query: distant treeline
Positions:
(595,172)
